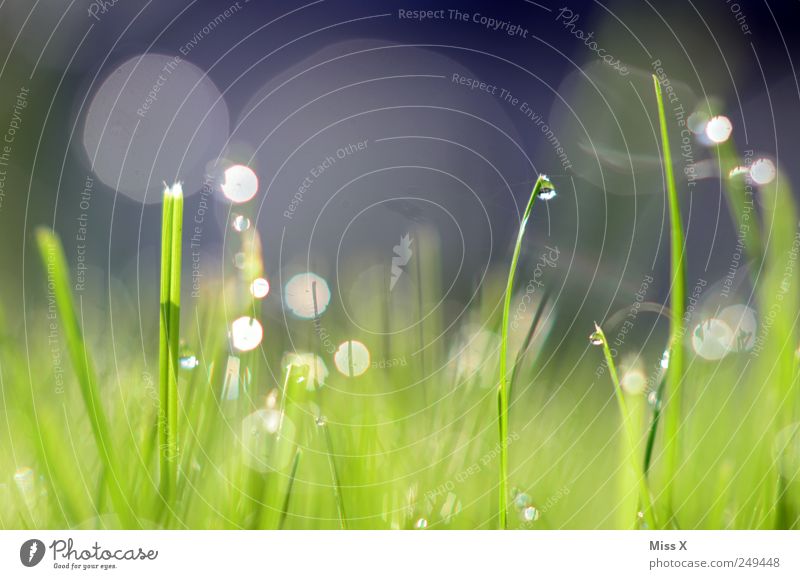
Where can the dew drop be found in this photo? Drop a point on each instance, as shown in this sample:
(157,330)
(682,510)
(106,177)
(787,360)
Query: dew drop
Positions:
(421,524)
(530,513)
(521,500)
(189,362)
(596,339)
(321,421)
(665,359)
(546,191)
(762,171)
(241,223)
(738,171)
(719,129)
(246,333)
(259,288)
(241,184)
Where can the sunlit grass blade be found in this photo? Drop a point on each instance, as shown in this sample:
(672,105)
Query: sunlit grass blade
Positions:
(677,293)
(169,338)
(55,264)
(503,388)
(631,437)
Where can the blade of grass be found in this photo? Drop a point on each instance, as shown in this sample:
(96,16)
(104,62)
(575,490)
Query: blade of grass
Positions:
(677,293)
(630,434)
(169,338)
(502,389)
(52,255)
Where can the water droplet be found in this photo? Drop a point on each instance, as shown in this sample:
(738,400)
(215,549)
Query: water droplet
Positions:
(189,362)
(246,333)
(652,398)
(241,223)
(712,339)
(697,122)
(719,129)
(321,421)
(546,190)
(762,171)
(307,294)
(596,339)
(665,360)
(351,358)
(259,288)
(530,513)
(239,260)
(421,524)
(738,171)
(521,500)
(240,185)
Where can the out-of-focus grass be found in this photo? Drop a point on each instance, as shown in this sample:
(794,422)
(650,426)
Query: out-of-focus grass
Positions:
(407,445)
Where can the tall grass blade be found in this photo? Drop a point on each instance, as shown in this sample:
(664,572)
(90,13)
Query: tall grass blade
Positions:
(169,338)
(503,387)
(677,292)
(55,264)
(630,433)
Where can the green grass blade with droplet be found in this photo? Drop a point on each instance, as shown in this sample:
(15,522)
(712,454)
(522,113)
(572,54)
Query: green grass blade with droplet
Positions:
(503,387)
(631,437)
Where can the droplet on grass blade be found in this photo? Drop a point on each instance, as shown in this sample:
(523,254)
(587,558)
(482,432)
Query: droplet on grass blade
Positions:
(665,360)
(421,524)
(189,362)
(596,339)
(241,223)
(738,171)
(246,333)
(530,514)
(240,185)
(547,190)
(719,129)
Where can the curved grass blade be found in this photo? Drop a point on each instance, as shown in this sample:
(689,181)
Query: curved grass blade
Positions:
(52,255)
(677,293)
(502,389)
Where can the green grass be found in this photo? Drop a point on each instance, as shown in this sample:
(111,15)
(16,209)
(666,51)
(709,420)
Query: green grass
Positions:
(503,386)
(677,292)
(97,437)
